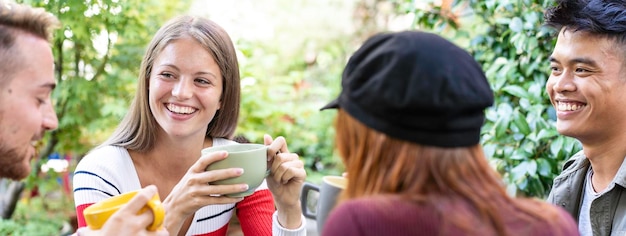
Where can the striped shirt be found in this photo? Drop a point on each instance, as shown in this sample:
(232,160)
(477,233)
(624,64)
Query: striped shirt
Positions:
(109,171)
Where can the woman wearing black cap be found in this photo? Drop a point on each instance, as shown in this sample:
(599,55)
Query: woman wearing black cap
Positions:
(408,126)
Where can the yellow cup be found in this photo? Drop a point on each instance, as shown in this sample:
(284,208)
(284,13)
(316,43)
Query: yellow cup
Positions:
(97,214)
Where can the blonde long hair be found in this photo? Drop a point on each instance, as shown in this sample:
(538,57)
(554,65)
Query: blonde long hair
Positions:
(137,131)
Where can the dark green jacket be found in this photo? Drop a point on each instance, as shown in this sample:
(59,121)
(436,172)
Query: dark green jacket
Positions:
(608,212)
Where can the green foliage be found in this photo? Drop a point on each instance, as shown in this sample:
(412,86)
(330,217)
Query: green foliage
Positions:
(46,215)
(507,38)
(39,226)
(282,97)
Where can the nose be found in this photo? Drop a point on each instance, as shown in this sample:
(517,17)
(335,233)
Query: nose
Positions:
(182,90)
(50,120)
(563,82)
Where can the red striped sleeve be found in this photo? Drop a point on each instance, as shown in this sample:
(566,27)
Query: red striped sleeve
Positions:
(80,216)
(255,213)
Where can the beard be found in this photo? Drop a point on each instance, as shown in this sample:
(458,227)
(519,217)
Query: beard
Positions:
(12,163)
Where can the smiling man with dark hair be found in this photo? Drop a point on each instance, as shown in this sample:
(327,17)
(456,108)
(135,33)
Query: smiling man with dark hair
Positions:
(587,87)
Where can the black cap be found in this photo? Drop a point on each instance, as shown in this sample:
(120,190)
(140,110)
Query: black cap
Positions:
(416,86)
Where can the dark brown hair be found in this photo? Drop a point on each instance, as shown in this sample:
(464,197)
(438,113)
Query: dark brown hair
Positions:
(20,19)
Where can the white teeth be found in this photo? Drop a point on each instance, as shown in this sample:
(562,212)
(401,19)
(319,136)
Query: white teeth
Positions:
(562,106)
(180,109)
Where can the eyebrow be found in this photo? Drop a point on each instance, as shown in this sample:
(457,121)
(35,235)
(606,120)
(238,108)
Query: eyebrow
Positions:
(582,60)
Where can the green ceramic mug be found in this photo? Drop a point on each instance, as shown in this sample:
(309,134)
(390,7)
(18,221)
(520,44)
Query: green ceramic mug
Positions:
(252,158)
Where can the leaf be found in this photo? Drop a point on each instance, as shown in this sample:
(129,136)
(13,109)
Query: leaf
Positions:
(524,169)
(544,168)
(505,111)
(529,147)
(536,186)
(516,90)
(518,155)
(571,145)
(503,21)
(556,146)
(516,25)
(525,103)
(520,122)
(501,127)
(532,18)
(545,134)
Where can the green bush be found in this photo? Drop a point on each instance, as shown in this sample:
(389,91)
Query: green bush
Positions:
(282,97)
(45,216)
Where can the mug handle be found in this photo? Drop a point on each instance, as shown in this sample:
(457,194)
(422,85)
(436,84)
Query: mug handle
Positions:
(304,199)
(158,211)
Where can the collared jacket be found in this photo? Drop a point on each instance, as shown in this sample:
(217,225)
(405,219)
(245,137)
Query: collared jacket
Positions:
(607,212)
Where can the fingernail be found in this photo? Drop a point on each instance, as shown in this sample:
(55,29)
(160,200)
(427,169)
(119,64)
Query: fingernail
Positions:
(239,170)
(245,187)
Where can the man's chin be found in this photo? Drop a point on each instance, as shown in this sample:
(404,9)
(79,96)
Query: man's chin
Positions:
(16,173)
(15,165)
(564,129)
(19,177)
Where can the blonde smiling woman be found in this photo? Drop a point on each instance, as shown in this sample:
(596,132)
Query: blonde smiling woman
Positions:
(188,99)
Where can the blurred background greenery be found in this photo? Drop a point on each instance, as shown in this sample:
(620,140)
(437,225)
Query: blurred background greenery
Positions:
(291,55)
